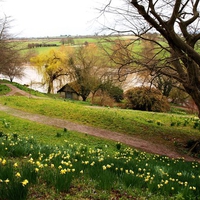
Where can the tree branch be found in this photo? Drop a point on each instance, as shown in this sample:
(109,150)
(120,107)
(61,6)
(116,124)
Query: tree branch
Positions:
(149,19)
(175,13)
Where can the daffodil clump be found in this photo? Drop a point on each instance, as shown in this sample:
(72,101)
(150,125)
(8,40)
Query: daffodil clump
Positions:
(24,163)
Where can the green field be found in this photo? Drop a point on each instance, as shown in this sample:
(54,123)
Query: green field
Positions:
(23,43)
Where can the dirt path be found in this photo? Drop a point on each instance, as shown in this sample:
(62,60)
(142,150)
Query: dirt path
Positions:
(16,91)
(102,133)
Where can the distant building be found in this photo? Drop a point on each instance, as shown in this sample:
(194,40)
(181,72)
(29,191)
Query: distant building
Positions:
(68,91)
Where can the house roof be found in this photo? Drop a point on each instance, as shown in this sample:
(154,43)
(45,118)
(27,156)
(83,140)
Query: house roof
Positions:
(69,87)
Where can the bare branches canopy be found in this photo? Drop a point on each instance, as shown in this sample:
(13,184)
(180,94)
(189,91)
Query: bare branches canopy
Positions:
(175,51)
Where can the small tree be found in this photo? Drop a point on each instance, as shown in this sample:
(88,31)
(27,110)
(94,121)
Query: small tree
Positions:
(13,71)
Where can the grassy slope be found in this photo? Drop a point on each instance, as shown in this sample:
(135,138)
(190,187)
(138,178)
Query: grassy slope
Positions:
(143,124)
(155,127)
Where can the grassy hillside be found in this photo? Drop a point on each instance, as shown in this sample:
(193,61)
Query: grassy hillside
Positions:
(173,130)
(39,161)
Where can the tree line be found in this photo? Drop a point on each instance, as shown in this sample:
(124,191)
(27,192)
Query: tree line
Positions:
(36,45)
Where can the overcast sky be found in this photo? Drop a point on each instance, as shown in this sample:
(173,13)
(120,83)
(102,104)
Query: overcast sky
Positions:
(42,18)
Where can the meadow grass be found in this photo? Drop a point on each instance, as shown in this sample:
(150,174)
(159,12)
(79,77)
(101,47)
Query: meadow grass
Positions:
(48,135)
(156,127)
(4,89)
(79,171)
(37,160)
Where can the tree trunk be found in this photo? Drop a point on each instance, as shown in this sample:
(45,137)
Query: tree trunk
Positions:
(84,98)
(195,94)
(50,87)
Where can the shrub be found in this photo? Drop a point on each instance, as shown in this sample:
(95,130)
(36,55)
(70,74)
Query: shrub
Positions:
(146,99)
(113,91)
(116,93)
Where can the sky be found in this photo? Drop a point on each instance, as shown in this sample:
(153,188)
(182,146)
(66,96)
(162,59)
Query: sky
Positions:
(45,18)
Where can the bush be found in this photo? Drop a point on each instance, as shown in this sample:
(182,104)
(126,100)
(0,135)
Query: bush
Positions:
(146,99)
(116,93)
(113,91)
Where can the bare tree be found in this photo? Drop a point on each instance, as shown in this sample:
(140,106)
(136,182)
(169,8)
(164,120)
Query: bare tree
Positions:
(175,52)
(11,59)
(14,68)
(4,48)
(86,66)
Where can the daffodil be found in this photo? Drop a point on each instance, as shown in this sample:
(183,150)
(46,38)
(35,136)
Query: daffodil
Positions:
(24,183)
(179,174)
(18,174)
(36,169)
(108,166)
(3,162)
(15,165)
(63,171)
(7,181)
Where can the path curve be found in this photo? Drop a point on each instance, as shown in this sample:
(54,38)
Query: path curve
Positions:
(16,91)
(98,132)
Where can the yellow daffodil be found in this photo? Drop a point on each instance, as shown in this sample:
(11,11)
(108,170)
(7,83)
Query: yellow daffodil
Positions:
(52,165)
(15,165)
(24,183)
(18,174)
(36,169)
(3,162)
(7,181)
(63,171)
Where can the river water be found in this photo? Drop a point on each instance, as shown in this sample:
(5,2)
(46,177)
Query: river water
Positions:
(30,78)
(34,80)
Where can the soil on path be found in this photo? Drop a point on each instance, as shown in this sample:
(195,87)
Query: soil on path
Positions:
(102,133)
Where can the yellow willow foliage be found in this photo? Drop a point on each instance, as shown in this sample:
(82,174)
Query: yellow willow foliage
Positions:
(52,62)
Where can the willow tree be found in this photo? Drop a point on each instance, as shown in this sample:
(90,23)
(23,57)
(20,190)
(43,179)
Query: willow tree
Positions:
(51,65)
(175,52)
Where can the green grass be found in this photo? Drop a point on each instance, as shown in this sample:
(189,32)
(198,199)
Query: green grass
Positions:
(157,127)
(48,135)
(73,170)
(4,89)
(59,163)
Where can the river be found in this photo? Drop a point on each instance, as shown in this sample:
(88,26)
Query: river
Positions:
(34,80)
